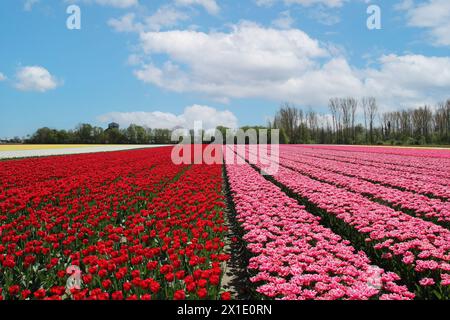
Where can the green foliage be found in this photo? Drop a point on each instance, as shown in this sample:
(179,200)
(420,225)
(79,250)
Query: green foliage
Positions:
(88,134)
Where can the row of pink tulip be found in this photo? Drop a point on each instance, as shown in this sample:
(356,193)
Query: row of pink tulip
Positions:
(425,174)
(427,154)
(440,164)
(414,247)
(417,204)
(293,256)
(378,175)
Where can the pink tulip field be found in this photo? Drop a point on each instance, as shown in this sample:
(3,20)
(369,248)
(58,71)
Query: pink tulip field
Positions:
(337,222)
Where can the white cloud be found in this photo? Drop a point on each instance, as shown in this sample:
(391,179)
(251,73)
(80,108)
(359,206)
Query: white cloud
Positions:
(35,78)
(328,3)
(324,16)
(305,3)
(122,4)
(432,15)
(164,17)
(209,5)
(28,4)
(169,77)
(118,3)
(323,11)
(209,116)
(134,59)
(235,64)
(2,77)
(284,20)
(244,63)
(409,79)
(247,46)
(126,23)
(404,5)
(265,3)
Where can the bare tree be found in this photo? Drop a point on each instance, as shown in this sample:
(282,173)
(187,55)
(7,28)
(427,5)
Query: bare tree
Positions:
(287,119)
(370,111)
(420,125)
(422,120)
(334,106)
(447,116)
(365,105)
(348,108)
(441,122)
(353,107)
(313,123)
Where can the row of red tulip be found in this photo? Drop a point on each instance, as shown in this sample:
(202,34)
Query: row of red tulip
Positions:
(122,225)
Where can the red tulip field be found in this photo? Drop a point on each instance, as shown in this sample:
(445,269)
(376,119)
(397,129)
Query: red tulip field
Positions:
(334,222)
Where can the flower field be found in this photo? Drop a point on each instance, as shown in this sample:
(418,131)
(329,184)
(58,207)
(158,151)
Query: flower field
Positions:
(334,222)
(401,229)
(130,225)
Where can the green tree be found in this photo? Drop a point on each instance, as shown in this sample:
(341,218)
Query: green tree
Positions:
(85,134)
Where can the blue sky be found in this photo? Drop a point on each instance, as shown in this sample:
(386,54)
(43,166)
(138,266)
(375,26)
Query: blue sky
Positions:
(167,63)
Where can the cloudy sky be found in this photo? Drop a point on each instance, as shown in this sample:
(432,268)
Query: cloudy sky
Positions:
(169,63)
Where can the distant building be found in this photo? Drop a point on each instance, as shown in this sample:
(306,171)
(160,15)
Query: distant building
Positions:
(113,125)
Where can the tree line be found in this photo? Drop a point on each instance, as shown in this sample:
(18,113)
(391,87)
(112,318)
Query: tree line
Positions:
(349,121)
(88,134)
(134,134)
(416,126)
